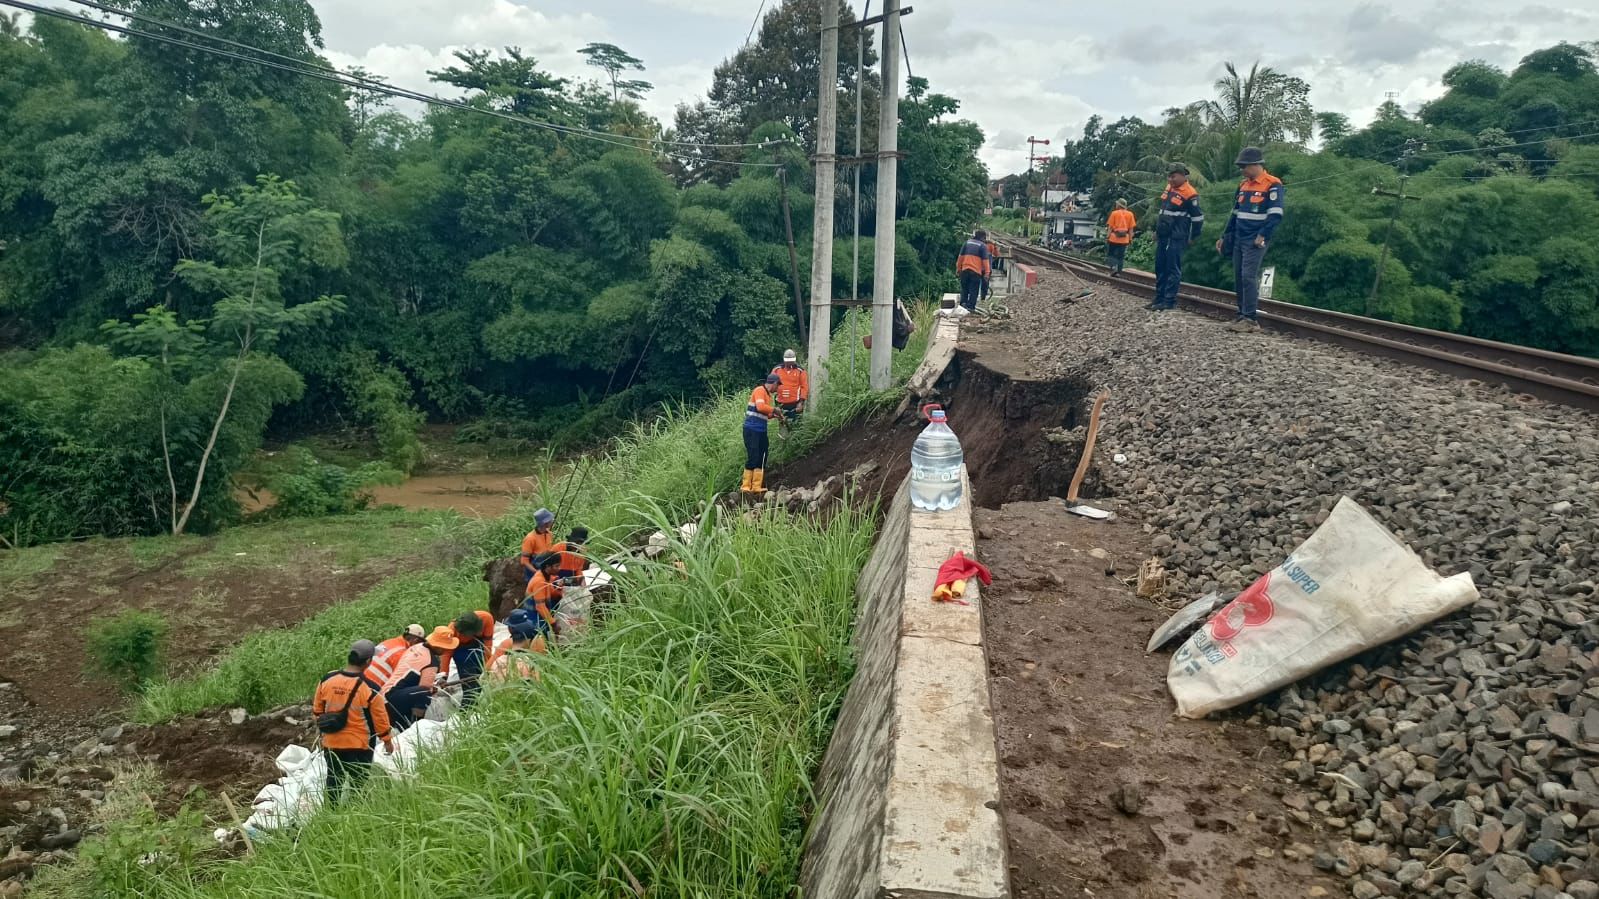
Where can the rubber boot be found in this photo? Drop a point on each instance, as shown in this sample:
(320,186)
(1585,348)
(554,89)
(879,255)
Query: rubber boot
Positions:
(758,486)
(749,481)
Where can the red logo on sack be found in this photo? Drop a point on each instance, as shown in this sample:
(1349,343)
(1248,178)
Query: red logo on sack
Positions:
(1252,608)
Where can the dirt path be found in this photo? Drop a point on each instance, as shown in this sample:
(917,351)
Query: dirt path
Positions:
(1083,714)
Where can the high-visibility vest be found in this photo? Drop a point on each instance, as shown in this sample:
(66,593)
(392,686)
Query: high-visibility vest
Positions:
(388,652)
(415,658)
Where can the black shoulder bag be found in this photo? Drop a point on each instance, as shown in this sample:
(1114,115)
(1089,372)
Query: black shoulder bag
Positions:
(333,722)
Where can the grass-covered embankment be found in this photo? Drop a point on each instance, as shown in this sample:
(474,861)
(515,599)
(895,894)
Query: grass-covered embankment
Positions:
(667,754)
(673,463)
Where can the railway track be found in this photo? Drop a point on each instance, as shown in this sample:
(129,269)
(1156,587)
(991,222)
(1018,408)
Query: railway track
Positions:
(1554,377)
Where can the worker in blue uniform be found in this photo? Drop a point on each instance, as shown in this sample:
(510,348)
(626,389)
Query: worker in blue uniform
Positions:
(1257,211)
(1176,228)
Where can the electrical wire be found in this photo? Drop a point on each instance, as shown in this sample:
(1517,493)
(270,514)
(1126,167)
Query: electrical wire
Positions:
(322,70)
(757,21)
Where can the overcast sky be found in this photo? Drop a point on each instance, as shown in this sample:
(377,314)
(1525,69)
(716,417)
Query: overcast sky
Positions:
(1019,68)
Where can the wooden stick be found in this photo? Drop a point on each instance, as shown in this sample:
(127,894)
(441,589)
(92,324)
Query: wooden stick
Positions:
(1088,448)
(249,847)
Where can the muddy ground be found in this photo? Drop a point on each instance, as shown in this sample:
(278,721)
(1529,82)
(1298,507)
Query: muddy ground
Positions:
(1021,435)
(1084,719)
(62,736)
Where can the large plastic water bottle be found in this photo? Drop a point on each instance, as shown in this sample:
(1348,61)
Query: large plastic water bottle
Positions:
(936,460)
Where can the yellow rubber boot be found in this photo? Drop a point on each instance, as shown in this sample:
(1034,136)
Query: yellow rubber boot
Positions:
(758,484)
(749,479)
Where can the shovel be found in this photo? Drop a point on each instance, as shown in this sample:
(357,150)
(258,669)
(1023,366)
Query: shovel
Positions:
(1072,506)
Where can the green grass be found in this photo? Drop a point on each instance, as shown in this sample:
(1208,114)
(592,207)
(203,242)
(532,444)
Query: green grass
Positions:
(18,565)
(672,748)
(668,753)
(344,540)
(148,553)
(672,464)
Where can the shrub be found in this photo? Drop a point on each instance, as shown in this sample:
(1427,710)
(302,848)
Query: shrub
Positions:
(128,647)
(307,488)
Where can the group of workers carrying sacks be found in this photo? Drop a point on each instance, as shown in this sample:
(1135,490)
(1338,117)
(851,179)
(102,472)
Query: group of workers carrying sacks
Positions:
(386,687)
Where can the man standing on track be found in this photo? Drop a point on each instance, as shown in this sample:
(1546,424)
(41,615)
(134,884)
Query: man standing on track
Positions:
(1179,225)
(973,267)
(1257,211)
(1119,233)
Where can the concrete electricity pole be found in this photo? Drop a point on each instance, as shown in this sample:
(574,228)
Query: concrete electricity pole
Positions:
(887,201)
(822,230)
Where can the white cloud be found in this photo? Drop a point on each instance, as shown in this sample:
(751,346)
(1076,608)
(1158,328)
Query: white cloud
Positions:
(1018,67)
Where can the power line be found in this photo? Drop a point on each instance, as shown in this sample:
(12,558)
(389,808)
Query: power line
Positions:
(757,21)
(316,69)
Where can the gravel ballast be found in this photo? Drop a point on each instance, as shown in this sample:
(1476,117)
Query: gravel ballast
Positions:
(1459,761)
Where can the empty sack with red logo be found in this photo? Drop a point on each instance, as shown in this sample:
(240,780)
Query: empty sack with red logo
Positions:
(1348,588)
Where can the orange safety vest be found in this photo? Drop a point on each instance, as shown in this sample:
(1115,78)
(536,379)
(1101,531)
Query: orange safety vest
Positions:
(415,658)
(485,640)
(388,652)
(974,257)
(793,385)
(759,410)
(1120,225)
(368,716)
(572,563)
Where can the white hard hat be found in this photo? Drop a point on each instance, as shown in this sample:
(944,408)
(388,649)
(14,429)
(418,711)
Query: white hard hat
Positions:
(790,356)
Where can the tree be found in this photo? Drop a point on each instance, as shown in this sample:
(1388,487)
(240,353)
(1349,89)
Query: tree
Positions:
(513,83)
(258,240)
(1332,127)
(613,60)
(1264,106)
(775,79)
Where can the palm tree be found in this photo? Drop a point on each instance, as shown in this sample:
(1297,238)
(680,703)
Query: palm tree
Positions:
(1265,106)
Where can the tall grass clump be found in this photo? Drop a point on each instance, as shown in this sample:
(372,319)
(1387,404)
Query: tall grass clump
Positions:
(668,753)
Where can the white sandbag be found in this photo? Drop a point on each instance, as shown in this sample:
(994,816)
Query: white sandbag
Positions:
(1351,586)
(572,614)
(422,736)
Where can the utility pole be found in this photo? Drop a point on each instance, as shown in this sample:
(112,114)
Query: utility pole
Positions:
(1033,159)
(1411,146)
(822,230)
(879,363)
(860,101)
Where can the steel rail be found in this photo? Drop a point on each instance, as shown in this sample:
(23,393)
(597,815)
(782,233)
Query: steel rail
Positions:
(1554,377)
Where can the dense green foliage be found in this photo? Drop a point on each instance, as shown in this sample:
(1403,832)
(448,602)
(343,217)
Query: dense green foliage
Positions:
(1499,237)
(546,286)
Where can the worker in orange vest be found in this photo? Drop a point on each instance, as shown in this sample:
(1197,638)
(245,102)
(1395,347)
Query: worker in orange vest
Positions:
(793,386)
(760,410)
(539,540)
(516,659)
(544,593)
(572,561)
(409,688)
(1257,211)
(474,634)
(351,717)
(973,267)
(390,650)
(1119,233)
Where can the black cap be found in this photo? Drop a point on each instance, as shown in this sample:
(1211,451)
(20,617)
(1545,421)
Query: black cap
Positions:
(1250,156)
(1177,168)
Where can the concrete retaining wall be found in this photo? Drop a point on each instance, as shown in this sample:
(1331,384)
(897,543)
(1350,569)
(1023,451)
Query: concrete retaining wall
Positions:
(909,788)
